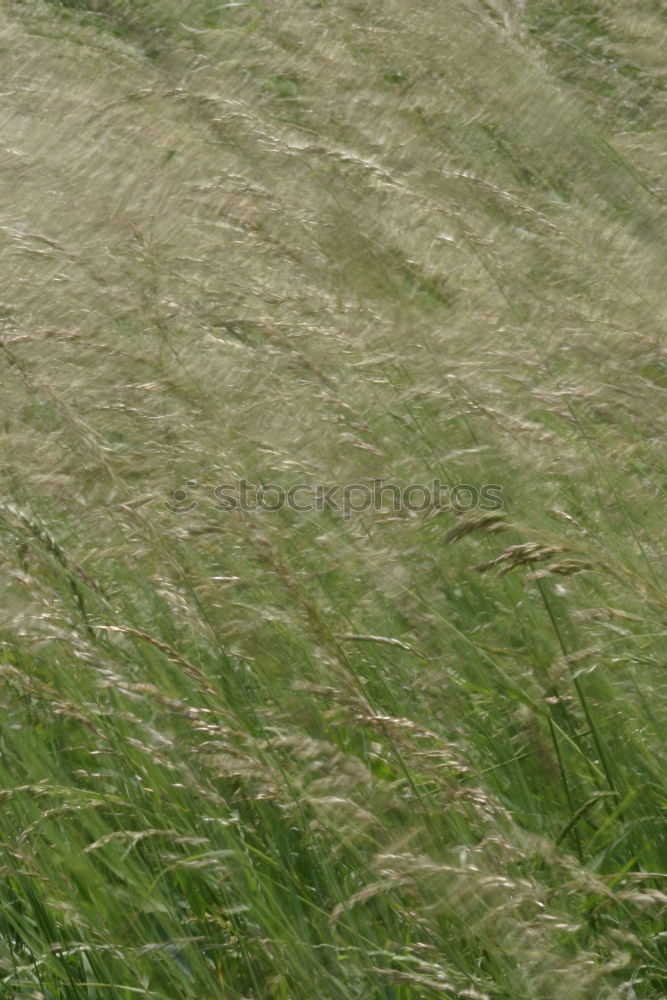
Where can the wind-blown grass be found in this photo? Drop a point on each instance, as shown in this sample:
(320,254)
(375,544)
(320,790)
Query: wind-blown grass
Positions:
(271,755)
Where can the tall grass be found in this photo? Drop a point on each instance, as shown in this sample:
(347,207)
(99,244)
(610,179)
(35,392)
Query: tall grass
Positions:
(280,754)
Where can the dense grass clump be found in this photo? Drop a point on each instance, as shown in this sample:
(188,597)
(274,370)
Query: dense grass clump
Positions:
(402,744)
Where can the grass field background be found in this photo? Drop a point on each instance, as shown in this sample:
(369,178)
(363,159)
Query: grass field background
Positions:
(278,755)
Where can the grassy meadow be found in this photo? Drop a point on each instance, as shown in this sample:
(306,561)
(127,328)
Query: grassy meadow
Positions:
(369,750)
